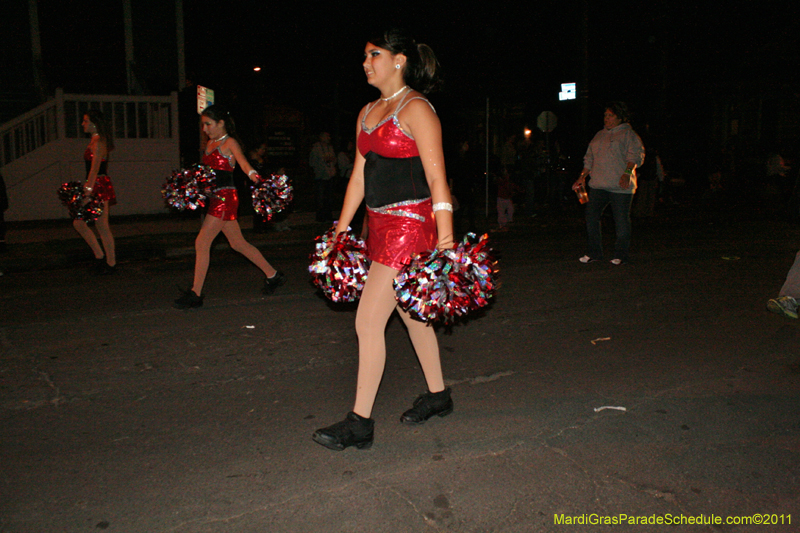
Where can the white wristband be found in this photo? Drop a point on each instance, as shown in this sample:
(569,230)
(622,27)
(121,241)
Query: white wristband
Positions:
(254,171)
(442,206)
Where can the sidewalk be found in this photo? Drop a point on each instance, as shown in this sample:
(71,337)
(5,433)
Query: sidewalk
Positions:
(55,244)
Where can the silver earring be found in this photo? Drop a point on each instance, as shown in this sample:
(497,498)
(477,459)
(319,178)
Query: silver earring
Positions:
(397,66)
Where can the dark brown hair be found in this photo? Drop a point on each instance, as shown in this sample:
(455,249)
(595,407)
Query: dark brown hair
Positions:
(98,119)
(621,110)
(423,71)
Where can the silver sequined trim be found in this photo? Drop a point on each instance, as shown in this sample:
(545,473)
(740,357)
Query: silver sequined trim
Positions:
(397,209)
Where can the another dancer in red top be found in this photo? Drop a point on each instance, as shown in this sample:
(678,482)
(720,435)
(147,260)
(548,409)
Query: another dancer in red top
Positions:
(222,153)
(399,171)
(99,185)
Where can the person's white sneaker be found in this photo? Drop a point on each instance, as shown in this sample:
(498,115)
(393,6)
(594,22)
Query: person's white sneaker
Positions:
(783,305)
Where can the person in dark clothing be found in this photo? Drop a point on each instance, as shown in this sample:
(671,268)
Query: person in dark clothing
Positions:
(466,185)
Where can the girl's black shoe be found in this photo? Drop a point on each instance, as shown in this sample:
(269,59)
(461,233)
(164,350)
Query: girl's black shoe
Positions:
(354,430)
(104,269)
(270,284)
(427,405)
(189,300)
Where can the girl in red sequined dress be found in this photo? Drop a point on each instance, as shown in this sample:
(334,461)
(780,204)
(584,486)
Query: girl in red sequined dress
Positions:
(99,185)
(222,153)
(399,172)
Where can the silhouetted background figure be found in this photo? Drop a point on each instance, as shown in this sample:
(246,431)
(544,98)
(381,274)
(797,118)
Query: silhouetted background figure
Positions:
(466,175)
(778,186)
(528,167)
(258,160)
(322,161)
(344,160)
(649,176)
(505,199)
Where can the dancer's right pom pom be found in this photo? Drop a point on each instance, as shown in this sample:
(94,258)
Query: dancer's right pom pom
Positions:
(339,265)
(189,188)
(80,207)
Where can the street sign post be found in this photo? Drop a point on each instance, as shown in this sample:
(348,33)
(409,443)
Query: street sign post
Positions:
(547,122)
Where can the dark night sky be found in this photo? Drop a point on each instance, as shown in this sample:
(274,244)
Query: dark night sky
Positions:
(663,53)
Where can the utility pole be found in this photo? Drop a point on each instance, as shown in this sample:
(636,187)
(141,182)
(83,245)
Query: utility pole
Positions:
(39,79)
(129,56)
(181,40)
(583,84)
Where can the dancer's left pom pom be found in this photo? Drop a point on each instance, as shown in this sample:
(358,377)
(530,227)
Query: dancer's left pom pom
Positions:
(443,285)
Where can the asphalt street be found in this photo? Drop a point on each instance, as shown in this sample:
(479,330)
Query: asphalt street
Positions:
(660,389)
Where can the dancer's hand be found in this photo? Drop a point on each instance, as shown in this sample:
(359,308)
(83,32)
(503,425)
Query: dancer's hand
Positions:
(446,243)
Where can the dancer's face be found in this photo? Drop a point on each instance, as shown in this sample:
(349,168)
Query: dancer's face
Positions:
(88,125)
(379,64)
(213,128)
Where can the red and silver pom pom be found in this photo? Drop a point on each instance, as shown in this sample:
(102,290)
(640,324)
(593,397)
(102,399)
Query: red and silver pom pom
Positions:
(79,206)
(272,195)
(189,188)
(339,265)
(442,285)
(70,193)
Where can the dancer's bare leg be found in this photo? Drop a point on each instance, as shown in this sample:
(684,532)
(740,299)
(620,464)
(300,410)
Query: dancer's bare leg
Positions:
(88,235)
(374,309)
(106,236)
(426,345)
(202,247)
(233,232)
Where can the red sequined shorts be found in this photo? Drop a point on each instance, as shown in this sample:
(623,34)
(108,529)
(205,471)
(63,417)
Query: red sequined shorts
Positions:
(398,230)
(224,204)
(104,190)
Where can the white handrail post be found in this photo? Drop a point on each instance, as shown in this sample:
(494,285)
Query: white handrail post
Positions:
(174,108)
(61,129)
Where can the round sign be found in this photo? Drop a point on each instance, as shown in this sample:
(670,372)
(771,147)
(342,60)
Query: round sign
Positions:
(547,121)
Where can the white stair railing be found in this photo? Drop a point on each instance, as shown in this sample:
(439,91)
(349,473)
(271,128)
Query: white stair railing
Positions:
(130,117)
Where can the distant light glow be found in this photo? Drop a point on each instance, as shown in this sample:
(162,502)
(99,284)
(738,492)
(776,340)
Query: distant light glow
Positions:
(256,69)
(527,133)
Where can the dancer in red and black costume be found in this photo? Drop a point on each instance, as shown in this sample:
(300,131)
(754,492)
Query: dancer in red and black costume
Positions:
(399,171)
(99,185)
(222,153)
